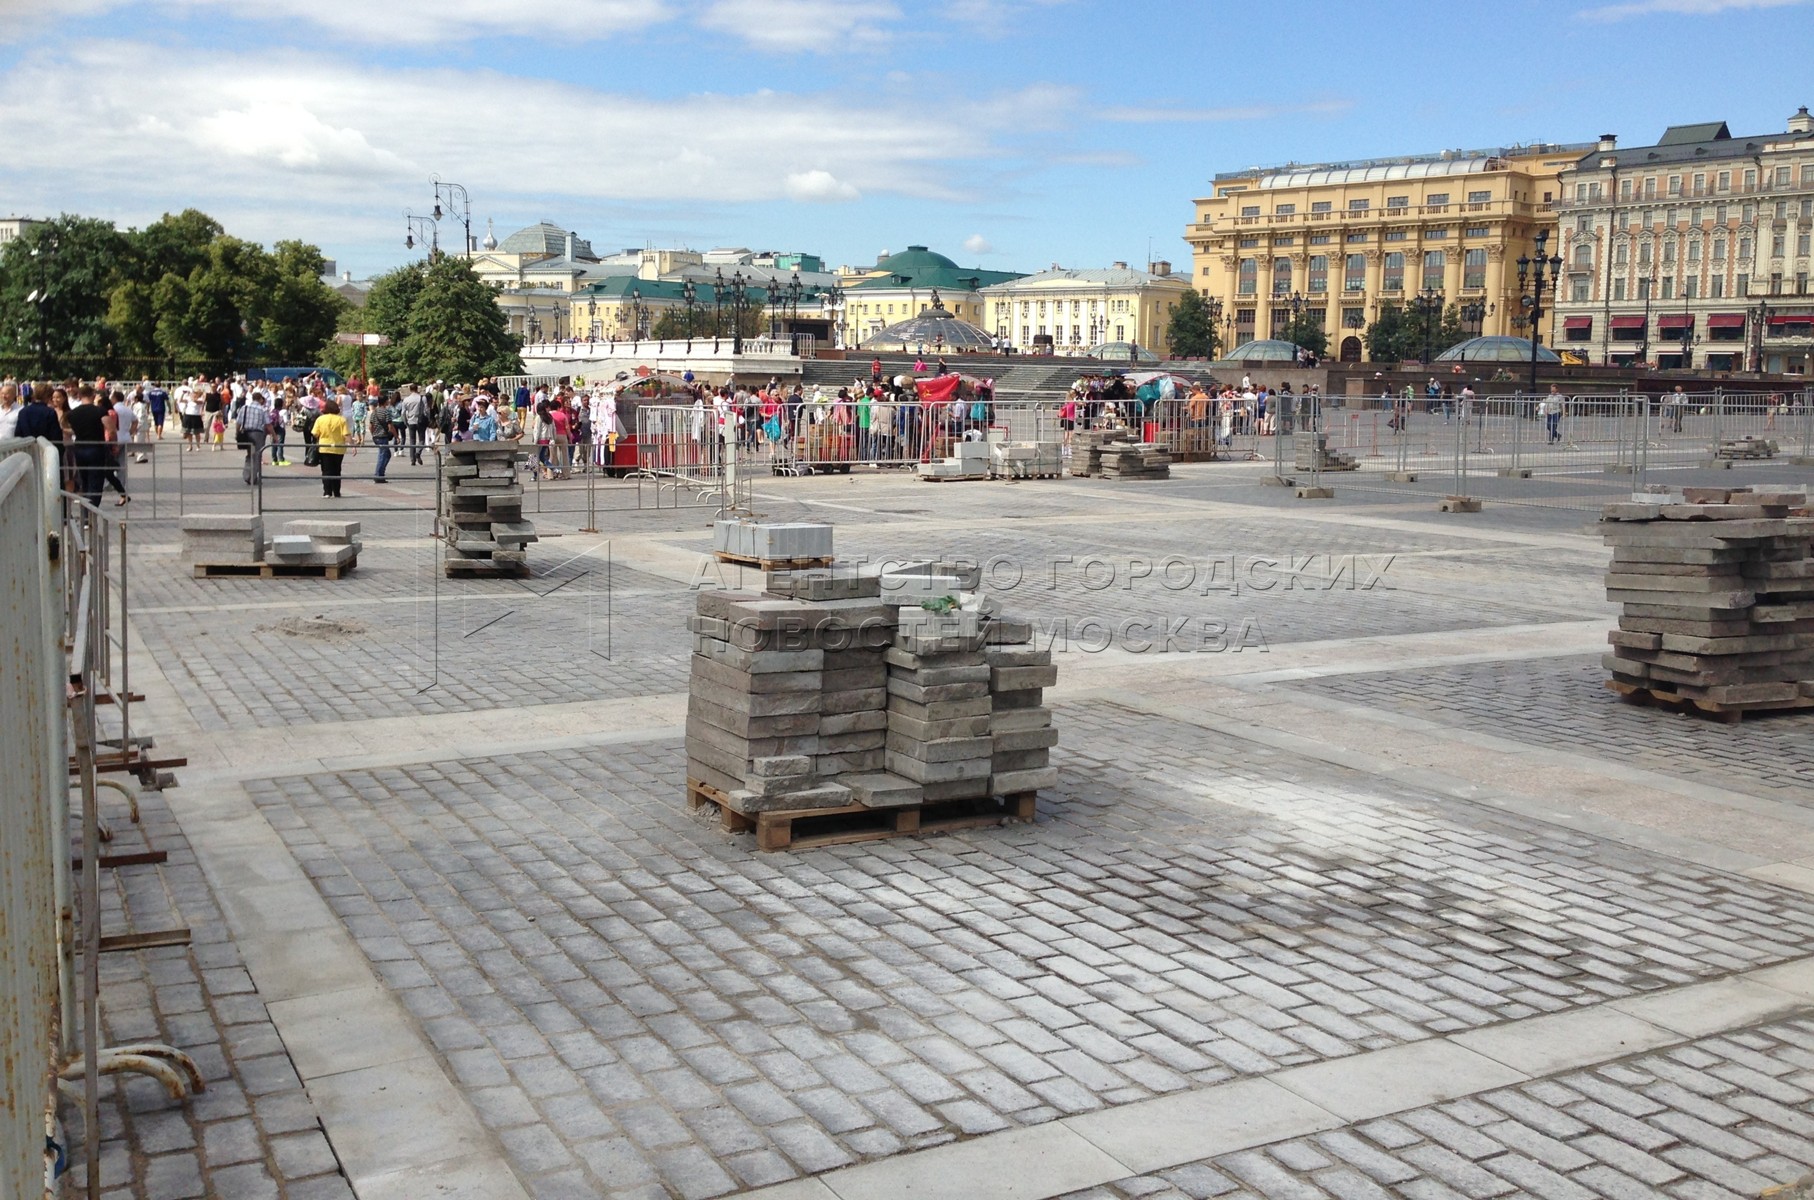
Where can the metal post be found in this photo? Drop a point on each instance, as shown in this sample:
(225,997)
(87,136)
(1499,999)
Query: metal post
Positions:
(1719,420)
(1807,426)
(1518,406)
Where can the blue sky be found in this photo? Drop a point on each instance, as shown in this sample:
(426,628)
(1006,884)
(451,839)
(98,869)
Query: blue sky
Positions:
(1010,134)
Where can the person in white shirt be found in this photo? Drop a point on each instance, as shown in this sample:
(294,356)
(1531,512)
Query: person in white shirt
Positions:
(189,408)
(9,410)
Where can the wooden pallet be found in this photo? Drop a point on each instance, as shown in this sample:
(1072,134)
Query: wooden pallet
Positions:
(466,569)
(802,829)
(774,564)
(1730,714)
(270,570)
(952,478)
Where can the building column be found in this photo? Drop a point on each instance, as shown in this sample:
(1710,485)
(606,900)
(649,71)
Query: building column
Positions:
(1503,304)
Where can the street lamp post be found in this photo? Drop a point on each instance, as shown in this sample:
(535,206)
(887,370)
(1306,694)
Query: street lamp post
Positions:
(833,303)
(718,307)
(774,309)
(1428,304)
(1531,270)
(636,314)
(1761,320)
(459,205)
(1644,346)
(424,230)
(689,299)
(739,302)
(41,254)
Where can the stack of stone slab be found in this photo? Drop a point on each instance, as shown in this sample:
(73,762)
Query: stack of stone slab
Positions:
(482,509)
(223,540)
(1745,447)
(837,690)
(1135,460)
(1718,600)
(780,543)
(1314,454)
(1088,445)
(310,543)
(1026,460)
(968,460)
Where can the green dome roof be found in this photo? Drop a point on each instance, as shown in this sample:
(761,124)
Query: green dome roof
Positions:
(915,259)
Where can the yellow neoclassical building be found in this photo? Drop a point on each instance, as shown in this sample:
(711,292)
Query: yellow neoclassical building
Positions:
(1343,239)
(1075,311)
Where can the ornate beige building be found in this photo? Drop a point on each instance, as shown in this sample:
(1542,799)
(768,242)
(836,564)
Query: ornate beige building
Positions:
(1075,311)
(1694,252)
(1340,240)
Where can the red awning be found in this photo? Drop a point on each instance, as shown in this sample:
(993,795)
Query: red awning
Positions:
(1726,321)
(1577,323)
(1791,318)
(1628,322)
(1675,320)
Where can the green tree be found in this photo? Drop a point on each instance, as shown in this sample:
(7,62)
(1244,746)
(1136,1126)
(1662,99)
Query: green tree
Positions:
(74,271)
(1385,337)
(1191,332)
(1306,330)
(386,311)
(676,323)
(456,329)
(301,311)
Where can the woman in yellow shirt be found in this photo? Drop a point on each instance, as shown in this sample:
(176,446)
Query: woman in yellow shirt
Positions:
(331,445)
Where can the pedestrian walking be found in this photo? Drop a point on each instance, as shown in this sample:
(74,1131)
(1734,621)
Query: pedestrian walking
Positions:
(251,430)
(382,422)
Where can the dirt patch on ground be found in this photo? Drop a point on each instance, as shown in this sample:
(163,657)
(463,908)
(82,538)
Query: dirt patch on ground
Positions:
(317,626)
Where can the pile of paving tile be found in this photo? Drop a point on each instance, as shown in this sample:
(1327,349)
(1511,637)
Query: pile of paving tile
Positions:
(1135,460)
(757,542)
(482,509)
(1745,447)
(1026,460)
(309,543)
(1718,600)
(1087,447)
(223,539)
(844,689)
(967,460)
(1314,454)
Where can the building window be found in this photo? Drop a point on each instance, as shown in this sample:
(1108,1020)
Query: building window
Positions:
(1801,245)
(1719,215)
(1751,180)
(1744,285)
(1618,289)
(1395,235)
(1776,246)
(1283,241)
(1319,239)
(1435,234)
(1248,277)
(1354,273)
(1807,174)
(1317,206)
(1725,181)
(1624,189)
(1719,250)
(1782,177)
(1744,249)
(1480,197)
(1473,269)
(1357,237)
(1359,205)
(1248,243)
(1319,274)
(1801,283)
(1433,263)
(1436,198)
(1668,287)
(1700,185)
(1281,276)
(1748,214)
(1584,224)
(1250,210)
(1675,185)
(1694,252)
(1668,252)
(1577,291)
(1395,272)
(1284,210)
(1478,230)
(1354,318)
(1689,287)
(1584,254)
(1621,254)
(1398,201)
(1716,286)
(1650,188)
(1643,254)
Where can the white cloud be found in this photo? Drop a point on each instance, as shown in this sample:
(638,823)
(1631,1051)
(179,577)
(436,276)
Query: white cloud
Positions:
(416,24)
(790,25)
(976,243)
(819,187)
(296,142)
(995,18)
(1690,8)
(1248,112)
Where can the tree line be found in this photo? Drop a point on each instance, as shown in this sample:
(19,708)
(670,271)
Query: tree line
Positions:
(1396,334)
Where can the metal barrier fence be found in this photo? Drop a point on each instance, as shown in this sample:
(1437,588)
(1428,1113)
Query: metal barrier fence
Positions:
(34,851)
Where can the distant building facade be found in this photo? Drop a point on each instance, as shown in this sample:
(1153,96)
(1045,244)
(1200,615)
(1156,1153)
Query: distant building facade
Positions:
(1346,239)
(1072,311)
(1693,252)
(900,286)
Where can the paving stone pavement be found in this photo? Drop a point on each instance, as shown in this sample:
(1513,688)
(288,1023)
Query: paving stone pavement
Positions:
(1716,1119)
(253,1134)
(1559,703)
(640,1007)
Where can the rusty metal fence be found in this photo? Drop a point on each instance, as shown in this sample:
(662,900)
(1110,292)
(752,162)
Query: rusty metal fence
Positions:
(32,793)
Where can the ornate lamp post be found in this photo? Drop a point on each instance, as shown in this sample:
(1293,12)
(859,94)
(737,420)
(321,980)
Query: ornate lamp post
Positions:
(833,304)
(689,299)
(1427,304)
(1531,272)
(459,204)
(1644,346)
(718,287)
(739,304)
(1760,319)
(424,230)
(636,311)
(41,254)
(774,309)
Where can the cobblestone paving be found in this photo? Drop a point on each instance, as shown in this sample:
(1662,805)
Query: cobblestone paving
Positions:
(1560,703)
(641,1006)
(253,1135)
(1717,1119)
(560,637)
